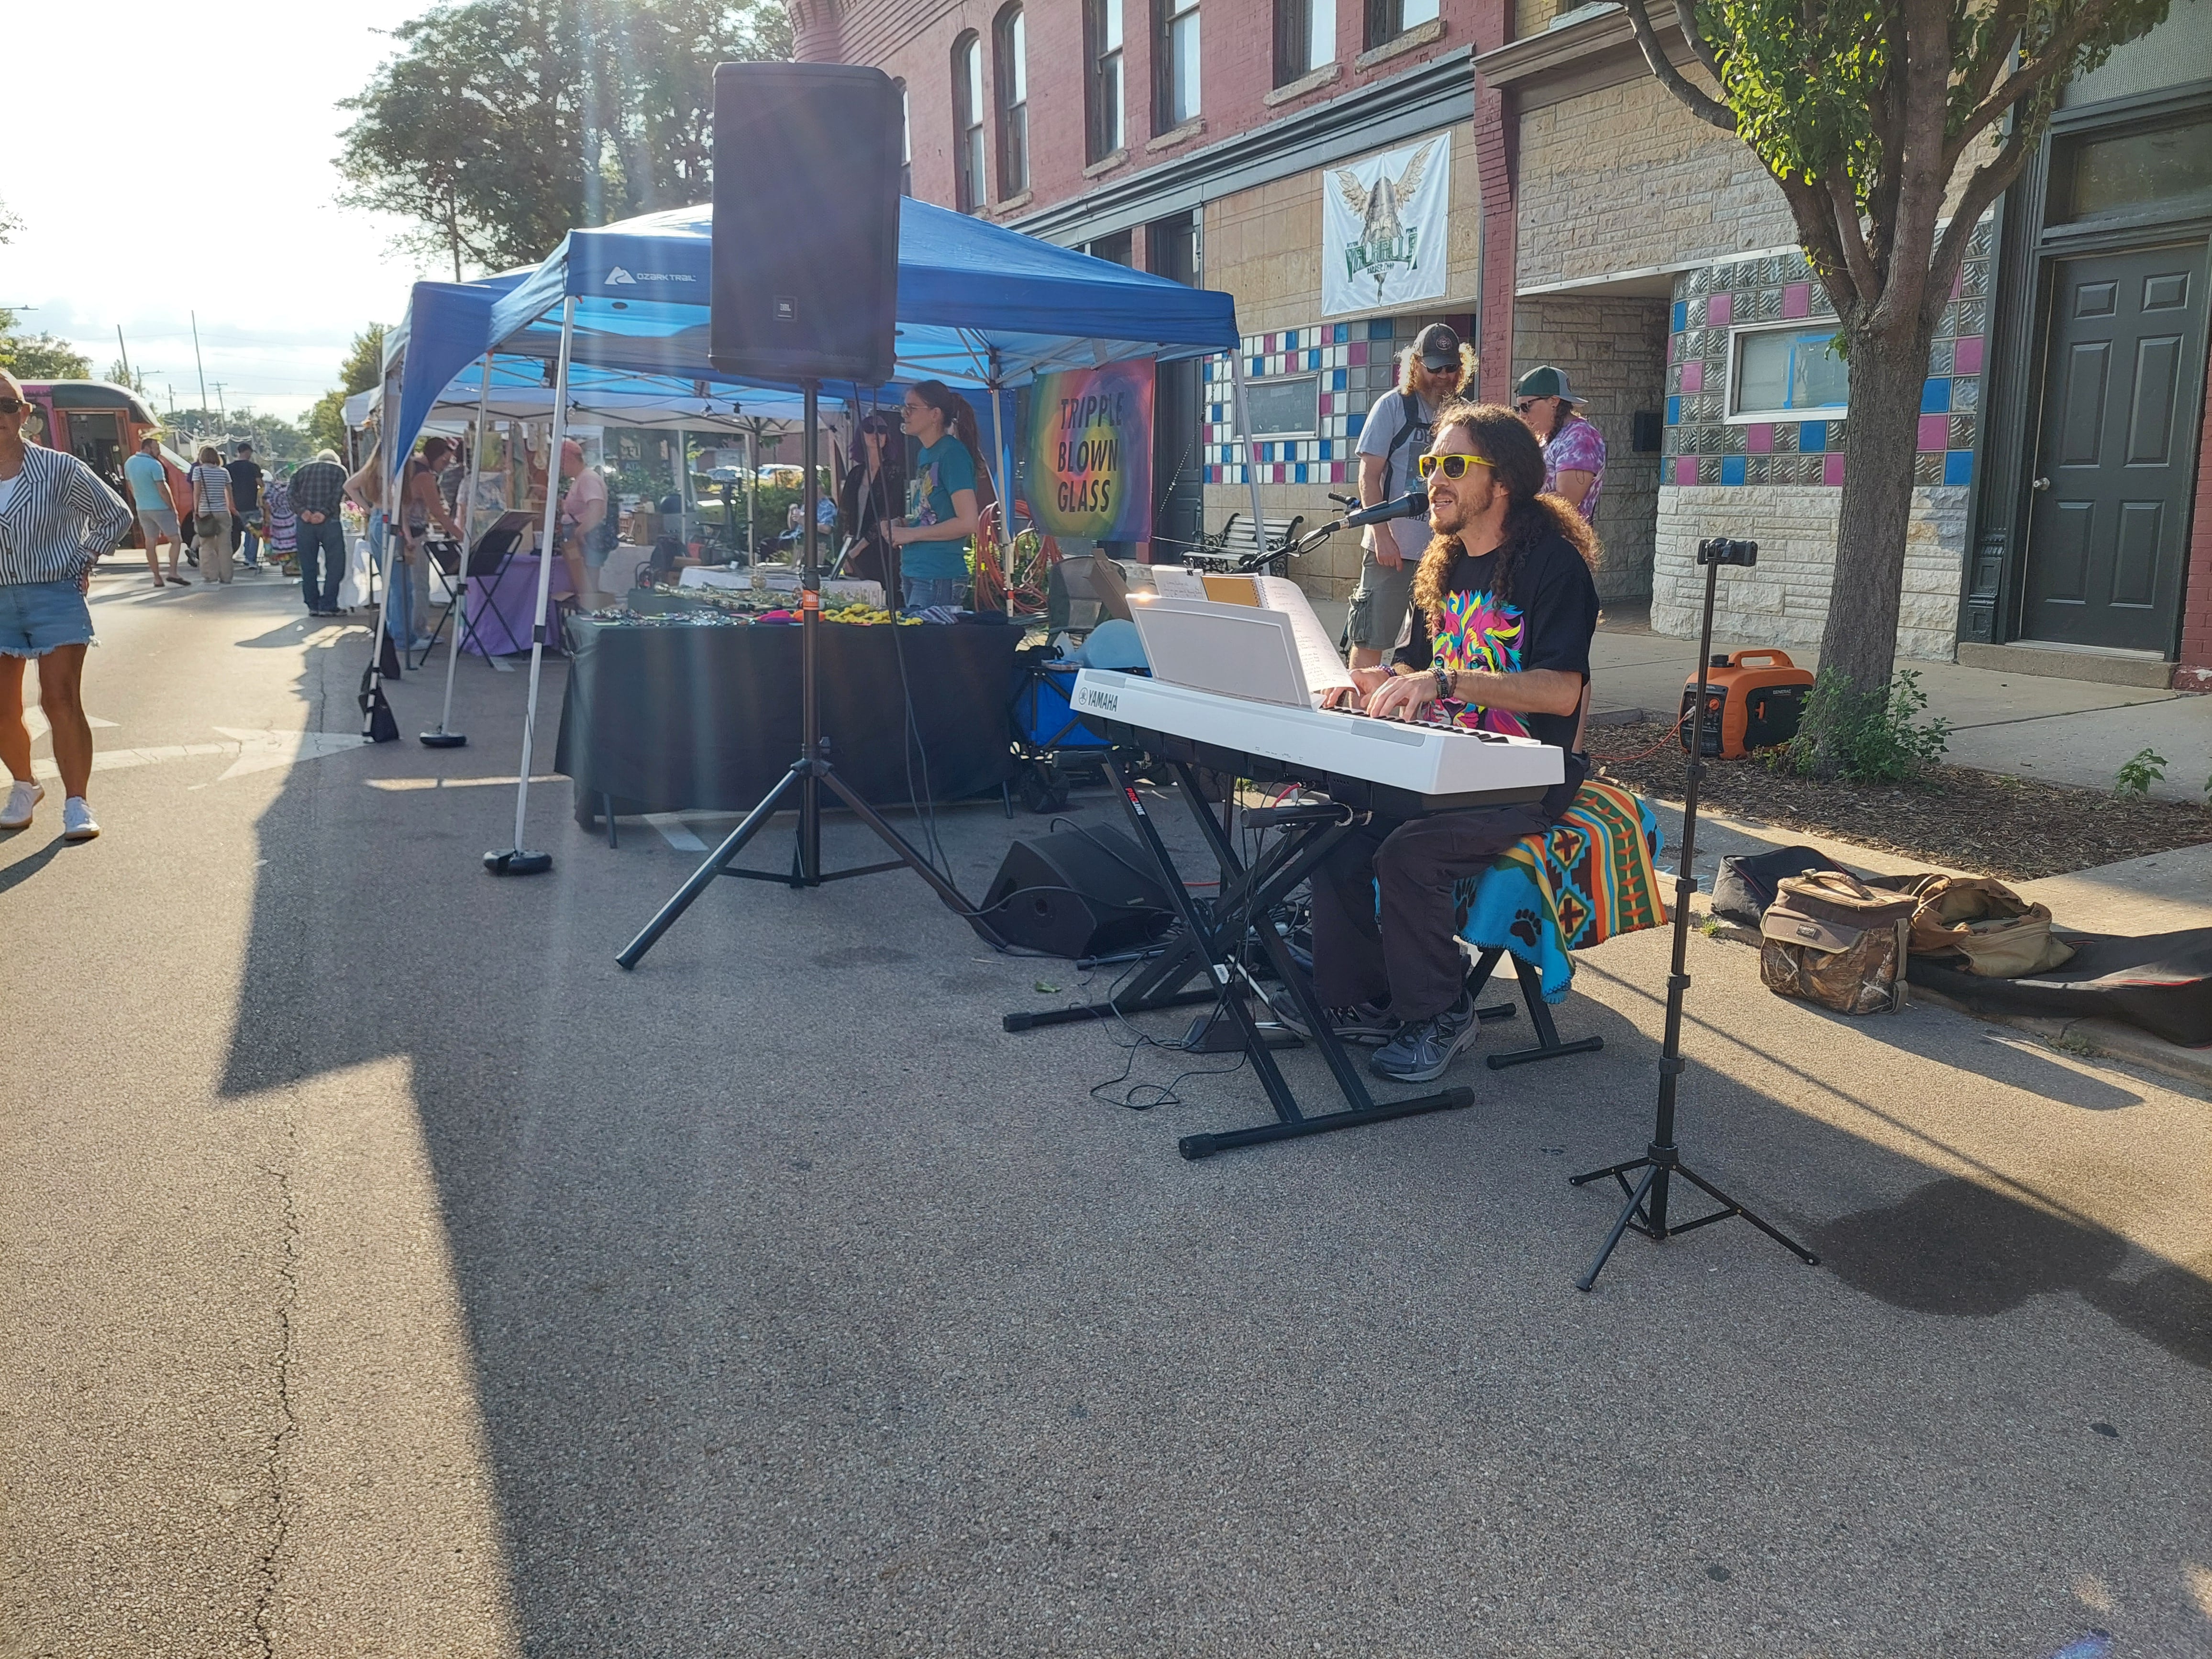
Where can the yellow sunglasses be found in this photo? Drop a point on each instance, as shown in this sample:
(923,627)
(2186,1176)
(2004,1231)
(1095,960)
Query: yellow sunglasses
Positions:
(1452,466)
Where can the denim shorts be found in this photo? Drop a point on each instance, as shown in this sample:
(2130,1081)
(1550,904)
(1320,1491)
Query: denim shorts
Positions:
(36,617)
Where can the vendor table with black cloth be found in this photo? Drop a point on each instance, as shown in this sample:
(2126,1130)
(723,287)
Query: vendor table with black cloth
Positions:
(661,719)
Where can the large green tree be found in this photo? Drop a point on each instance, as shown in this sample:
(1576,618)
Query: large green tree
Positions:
(499,125)
(39,357)
(362,368)
(1891,126)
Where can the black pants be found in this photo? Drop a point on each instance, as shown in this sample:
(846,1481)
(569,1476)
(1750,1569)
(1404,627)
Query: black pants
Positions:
(1408,954)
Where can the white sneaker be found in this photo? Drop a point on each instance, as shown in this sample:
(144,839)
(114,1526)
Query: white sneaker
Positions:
(77,819)
(23,801)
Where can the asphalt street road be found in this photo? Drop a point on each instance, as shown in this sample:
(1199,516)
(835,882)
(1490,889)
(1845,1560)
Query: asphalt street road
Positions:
(384,1272)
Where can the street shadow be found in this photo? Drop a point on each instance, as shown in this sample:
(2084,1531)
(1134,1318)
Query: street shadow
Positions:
(806,1305)
(15,875)
(1959,1248)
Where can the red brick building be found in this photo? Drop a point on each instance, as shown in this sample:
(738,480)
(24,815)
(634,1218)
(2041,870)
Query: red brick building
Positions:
(1593,223)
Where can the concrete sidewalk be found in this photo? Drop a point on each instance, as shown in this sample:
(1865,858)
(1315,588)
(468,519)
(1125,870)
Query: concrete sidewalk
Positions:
(2071,731)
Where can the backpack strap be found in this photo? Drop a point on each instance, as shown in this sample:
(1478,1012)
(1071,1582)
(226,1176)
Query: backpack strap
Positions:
(1409,416)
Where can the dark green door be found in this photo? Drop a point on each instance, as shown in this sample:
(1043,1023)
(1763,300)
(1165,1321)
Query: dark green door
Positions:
(2108,530)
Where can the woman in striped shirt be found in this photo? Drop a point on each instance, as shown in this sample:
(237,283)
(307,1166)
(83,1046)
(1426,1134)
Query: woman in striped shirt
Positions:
(211,511)
(56,519)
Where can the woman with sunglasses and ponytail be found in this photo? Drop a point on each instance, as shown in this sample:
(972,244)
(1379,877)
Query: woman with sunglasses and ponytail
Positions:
(945,494)
(1505,607)
(56,520)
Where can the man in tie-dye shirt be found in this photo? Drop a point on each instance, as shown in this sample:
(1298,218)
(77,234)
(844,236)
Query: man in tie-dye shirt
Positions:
(1504,610)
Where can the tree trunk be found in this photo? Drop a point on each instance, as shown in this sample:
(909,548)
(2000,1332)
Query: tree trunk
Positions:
(1860,638)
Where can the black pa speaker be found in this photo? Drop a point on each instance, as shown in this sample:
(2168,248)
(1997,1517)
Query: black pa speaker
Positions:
(807,222)
(1078,893)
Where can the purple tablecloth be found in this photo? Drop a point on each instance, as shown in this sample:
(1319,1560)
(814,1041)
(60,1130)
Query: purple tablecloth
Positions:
(499,608)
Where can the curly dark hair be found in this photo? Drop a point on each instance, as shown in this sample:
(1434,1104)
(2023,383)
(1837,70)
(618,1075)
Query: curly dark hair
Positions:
(1502,438)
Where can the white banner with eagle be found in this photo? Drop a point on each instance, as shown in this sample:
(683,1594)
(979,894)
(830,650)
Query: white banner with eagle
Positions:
(1383,223)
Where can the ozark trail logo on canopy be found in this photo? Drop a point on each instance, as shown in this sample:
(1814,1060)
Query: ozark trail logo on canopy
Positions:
(618,277)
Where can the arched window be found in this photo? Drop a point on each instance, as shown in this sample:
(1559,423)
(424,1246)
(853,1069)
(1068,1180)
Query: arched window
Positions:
(1101,40)
(1305,38)
(967,121)
(1175,63)
(1009,43)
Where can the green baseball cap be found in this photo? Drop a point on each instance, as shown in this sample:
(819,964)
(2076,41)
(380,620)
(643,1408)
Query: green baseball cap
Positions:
(1544,382)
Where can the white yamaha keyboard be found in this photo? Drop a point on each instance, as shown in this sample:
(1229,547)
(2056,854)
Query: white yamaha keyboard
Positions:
(1383,765)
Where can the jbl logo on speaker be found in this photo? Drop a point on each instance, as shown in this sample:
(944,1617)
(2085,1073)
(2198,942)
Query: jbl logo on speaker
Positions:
(787,308)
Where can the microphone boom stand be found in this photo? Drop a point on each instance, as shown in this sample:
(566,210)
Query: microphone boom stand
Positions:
(1645,1211)
(811,771)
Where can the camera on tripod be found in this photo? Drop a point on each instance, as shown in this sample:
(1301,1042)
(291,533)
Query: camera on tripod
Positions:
(1719,549)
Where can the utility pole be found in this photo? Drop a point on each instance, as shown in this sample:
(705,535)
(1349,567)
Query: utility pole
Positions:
(196,363)
(125,350)
(222,413)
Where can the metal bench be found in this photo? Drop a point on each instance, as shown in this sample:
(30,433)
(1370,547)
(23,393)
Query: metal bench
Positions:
(1236,544)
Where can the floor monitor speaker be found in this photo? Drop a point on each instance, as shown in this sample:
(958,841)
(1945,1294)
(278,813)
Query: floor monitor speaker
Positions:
(1078,893)
(807,222)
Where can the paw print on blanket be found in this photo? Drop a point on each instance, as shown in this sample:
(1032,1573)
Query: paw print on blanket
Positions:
(1528,928)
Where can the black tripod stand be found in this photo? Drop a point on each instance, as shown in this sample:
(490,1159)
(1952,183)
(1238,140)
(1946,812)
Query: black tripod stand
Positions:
(1646,1209)
(811,773)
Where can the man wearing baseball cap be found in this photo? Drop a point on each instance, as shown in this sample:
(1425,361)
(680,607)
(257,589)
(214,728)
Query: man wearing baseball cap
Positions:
(1431,372)
(1574,450)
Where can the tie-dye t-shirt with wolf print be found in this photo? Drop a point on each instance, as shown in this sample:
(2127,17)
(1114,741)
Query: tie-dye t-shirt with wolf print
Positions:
(1548,625)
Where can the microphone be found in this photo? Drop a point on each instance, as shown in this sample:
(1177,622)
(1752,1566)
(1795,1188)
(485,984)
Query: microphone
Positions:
(1413,504)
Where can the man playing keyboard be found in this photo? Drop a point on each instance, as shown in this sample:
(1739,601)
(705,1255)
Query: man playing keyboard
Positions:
(1504,610)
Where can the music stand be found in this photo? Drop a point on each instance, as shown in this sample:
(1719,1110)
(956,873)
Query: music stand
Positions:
(812,772)
(1645,1211)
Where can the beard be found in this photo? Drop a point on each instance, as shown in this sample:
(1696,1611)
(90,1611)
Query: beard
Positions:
(1450,518)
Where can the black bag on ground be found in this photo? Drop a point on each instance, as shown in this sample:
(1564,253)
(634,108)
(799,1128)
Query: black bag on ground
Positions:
(2161,982)
(1746,886)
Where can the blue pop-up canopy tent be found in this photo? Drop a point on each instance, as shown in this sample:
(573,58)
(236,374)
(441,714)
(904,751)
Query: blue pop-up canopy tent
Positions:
(979,306)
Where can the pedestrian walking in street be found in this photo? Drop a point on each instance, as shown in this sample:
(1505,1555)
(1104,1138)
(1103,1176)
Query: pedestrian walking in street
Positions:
(246,477)
(158,519)
(1432,373)
(317,492)
(211,515)
(56,520)
(281,527)
(1574,449)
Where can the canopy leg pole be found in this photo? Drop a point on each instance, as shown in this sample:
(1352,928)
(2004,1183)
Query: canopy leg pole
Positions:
(444,736)
(999,401)
(1251,452)
(515,862)
(377,723)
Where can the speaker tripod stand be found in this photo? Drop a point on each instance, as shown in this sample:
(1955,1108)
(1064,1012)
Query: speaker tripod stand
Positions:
(811,773)
(1645,1211)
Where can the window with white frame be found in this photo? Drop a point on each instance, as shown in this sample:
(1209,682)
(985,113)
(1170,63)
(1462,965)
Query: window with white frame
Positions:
(1305,38)
(967,121)
(1388,18)
(1175,53)
(1782,372)
(1010,39)
(1102,30)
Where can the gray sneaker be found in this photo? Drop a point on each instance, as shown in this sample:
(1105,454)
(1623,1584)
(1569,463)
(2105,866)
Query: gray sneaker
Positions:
(1423,1048)
(1363,1022)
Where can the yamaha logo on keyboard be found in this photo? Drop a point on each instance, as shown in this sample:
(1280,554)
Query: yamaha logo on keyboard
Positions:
(1091,697)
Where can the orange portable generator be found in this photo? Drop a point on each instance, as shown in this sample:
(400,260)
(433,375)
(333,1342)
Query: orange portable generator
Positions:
(1753,700)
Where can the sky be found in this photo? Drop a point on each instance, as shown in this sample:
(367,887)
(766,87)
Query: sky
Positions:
(150,133)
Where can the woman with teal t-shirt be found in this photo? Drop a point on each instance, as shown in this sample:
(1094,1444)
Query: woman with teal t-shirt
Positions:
(942,497)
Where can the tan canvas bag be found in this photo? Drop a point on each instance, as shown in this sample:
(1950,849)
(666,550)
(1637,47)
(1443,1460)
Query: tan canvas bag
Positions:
(1829,938)
(1998,933)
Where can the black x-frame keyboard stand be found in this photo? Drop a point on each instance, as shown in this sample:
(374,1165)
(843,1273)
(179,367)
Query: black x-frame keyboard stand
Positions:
(1216,949)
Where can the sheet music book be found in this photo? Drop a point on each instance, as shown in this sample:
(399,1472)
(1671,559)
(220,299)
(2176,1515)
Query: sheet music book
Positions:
(1318,658)
(1175,581)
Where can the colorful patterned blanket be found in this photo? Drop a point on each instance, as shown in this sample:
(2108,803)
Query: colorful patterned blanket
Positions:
(1590,877)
